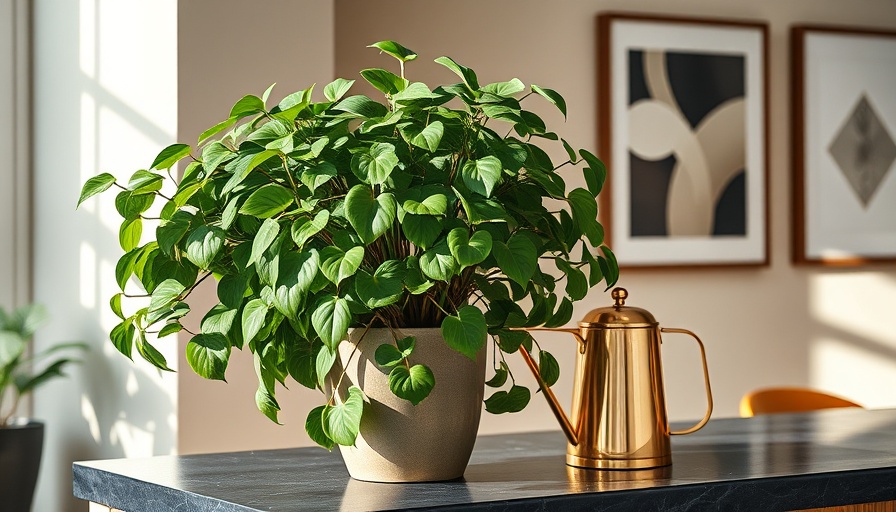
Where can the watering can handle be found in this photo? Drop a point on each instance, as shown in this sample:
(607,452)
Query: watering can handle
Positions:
(705,419)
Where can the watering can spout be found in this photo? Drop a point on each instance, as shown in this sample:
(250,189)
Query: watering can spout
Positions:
(567,426)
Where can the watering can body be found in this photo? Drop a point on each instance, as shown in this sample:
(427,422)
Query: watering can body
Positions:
(618,418)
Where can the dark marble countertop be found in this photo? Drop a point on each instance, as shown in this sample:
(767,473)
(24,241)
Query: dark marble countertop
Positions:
(777,462)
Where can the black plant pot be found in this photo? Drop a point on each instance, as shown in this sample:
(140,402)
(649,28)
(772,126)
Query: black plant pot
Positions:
(20,450)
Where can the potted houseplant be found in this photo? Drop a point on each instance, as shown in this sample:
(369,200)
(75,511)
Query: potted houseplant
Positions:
(21,440)
(360,244)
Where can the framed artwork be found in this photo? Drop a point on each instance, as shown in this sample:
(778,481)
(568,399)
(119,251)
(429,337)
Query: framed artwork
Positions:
(683,130)
(844,145)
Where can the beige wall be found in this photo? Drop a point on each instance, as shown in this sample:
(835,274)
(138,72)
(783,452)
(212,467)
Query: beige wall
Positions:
(227,49)
(778,325)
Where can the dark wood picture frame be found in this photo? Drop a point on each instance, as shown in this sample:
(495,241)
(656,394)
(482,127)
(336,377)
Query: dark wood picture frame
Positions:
(817,172)
(686,36)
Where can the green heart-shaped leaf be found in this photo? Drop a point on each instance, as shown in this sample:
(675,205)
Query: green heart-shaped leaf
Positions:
(323,363)
(467,332)
(382,288)
(412,384)
(266,403)
(421,230)
(504,89)
(576,282)
(170,231)
(342,420)
(500,376)
(385,81)
(370,216)
(300,361)
(562,316)
(375,166)
(517,259)
(170,156)
(208,354)
(391,355)
(388,355)
(297,271)
(145,181)
(514,400)
(150,353)
(129,234)
(482,175)
(337,264)
(584,212)
(426,200)
(219,320)
(552,96)
(167,291)
(414,280)
(337,89)
(330,320)
(438,263)
(548,368)
(427,137)
(314,426)
(95,185)
(170,329)
(394,49)
(263,239)
(360,106)
(267,201)
(204,244)
(215,154)
(131,204)
(466,74)
(253,318)
(304,228)
(232,288)
(469,251)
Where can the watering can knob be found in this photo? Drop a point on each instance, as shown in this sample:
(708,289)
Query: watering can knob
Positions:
(619,295)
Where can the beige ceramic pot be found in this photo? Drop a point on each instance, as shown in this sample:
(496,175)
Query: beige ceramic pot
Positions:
(400,442)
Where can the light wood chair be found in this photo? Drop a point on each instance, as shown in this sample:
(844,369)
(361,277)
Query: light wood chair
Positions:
(789,399)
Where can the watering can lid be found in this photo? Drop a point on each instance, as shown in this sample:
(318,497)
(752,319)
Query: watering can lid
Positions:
(618,315)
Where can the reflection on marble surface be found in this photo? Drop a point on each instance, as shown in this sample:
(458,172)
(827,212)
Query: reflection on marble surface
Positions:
(775,462)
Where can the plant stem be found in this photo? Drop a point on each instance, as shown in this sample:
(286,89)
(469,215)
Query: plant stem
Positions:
(344,369)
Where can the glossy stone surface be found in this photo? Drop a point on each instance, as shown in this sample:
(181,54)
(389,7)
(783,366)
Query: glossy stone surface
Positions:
(778,462)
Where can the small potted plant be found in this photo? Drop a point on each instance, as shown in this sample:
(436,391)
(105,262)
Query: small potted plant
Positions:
(21,439)
(372,250)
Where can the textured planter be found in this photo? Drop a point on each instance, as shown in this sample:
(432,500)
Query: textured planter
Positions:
(400,442)
(20,450)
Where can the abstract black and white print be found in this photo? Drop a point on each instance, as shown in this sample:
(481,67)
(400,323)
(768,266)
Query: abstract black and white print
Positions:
(687,144)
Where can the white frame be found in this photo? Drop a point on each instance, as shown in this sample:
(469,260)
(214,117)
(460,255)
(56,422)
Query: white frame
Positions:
(621,33)
(828,82)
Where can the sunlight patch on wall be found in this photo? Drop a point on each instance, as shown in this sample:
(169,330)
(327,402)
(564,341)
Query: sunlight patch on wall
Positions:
(853,352)
(89,415)
(854,302)
(134,441)
(137,76)
(842,368)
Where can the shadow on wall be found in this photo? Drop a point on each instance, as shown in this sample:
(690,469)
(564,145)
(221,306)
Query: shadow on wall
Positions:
(104,91)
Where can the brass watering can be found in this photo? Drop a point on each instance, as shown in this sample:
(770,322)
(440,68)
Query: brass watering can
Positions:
(618,416)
